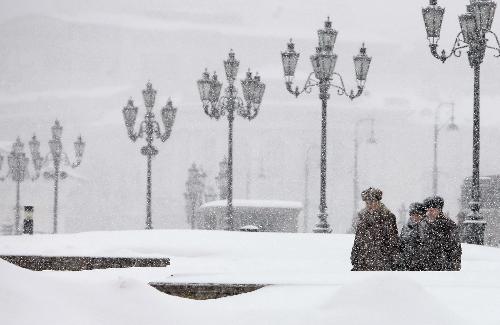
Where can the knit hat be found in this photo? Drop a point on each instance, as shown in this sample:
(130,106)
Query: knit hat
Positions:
(417,208)
(436,202)
(371,194)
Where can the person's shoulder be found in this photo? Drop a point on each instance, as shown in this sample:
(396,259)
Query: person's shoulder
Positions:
(446,223)
(386,212)
(362,213)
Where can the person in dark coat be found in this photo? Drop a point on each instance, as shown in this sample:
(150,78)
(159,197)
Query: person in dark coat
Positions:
(411,243)
(441,247)
(376,242)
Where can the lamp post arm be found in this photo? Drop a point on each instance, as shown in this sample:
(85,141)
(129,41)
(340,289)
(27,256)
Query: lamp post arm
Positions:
(65,158)
(248,111)
(341,88)
(458,45)
(495,48)
(310,82)
(213,109)
(134,136)
(77,162)
(252,111)
(156,129)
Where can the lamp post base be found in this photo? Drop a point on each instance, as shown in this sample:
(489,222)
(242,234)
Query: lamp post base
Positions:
(322,227)
(474,227)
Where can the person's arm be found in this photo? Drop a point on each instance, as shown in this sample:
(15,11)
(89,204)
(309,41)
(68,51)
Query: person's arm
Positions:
(357,246)
(393,241)
(454,250)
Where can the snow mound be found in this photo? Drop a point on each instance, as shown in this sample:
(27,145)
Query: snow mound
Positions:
(388,299)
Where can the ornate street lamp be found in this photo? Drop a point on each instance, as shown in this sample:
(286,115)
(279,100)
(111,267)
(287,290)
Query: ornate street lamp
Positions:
(451,126)
(475,35)
(195,188)
(323,62)
(18,171)
(215,107)
(149,128)
(355,179)
(58,158)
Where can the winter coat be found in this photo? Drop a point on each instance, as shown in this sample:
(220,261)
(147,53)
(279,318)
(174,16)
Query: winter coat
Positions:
(441,247)
(411,255)
(376,242)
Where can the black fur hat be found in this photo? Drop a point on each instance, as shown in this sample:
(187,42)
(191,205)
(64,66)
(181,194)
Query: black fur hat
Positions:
(417,208)
(371,194)
(434,202)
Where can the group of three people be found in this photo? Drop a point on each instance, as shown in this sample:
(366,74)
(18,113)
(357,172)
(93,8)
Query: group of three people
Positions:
(428,242)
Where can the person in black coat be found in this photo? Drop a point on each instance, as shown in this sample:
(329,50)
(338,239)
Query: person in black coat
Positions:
(376,242)
(411,258)
(441,249)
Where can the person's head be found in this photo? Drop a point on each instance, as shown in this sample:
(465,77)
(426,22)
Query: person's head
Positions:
(416,211)
(434,206)
(372,198)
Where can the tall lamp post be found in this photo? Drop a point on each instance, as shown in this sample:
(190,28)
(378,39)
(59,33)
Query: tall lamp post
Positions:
(18,171)
(59,158)
(215,107)
(437,129)
(323,62)
(355,179)
(149,129)
(195,188)
(475,34)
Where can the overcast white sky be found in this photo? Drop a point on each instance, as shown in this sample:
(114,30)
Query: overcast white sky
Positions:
(392,20)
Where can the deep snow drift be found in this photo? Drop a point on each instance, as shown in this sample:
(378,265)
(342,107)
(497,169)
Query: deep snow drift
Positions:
(309,273)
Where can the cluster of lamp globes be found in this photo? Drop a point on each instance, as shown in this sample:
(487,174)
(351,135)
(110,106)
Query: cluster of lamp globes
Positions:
(210,88)
(149,125)
(18,162)
(324,60)
(474,24)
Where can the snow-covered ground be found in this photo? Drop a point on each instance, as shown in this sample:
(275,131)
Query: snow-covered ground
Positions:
(310,277)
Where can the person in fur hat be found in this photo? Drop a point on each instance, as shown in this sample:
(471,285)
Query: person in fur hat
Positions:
(412,258)
(376,241)
(440,238)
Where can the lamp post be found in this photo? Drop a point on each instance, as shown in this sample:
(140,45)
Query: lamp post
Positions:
(195,188)
(323,62)
(59,158)
(355,179)
(475,35)
(149,128)
(437,129)
(215,107)
(18,170)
